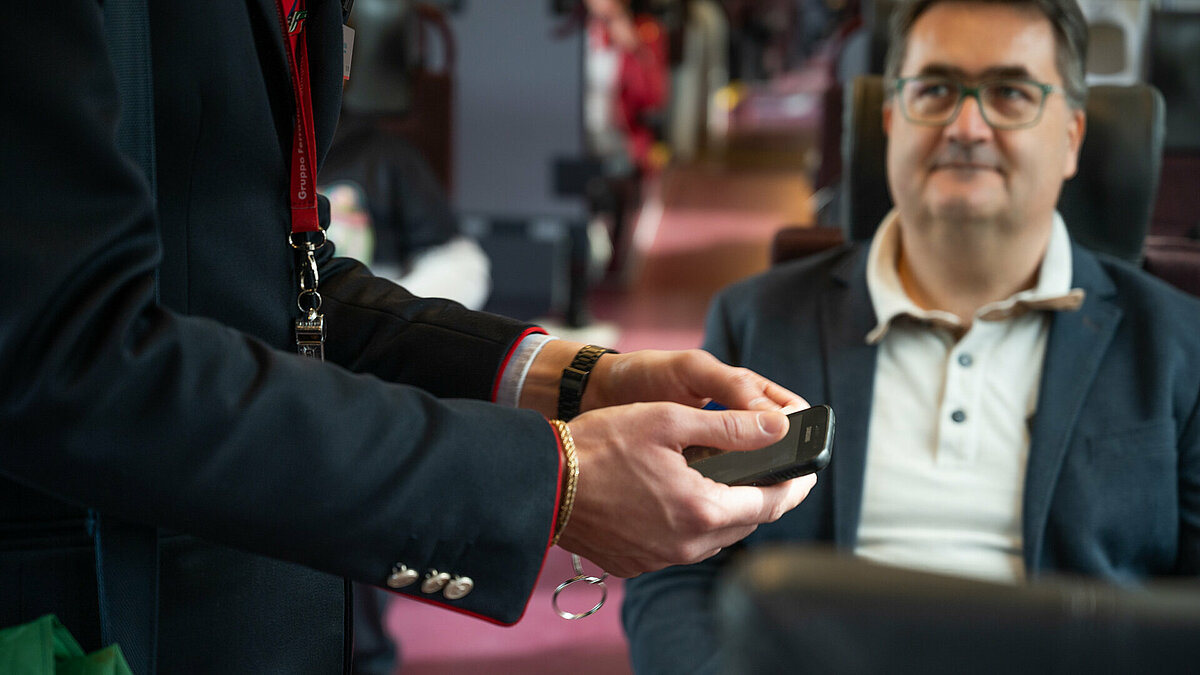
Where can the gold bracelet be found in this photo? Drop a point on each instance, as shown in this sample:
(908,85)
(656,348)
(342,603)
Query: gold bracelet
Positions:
(568,499)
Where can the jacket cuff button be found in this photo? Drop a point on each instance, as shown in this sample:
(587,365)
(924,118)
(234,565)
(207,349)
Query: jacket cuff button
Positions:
(401,576)
(434,581)
(459,587)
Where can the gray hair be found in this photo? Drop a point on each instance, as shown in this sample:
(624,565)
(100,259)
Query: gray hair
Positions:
(1070,35)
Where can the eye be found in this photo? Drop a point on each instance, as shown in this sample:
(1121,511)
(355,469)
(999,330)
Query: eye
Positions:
(931,89)
(1012,92)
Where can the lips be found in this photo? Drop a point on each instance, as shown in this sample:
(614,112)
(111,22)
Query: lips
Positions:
(961,157)
(965,166)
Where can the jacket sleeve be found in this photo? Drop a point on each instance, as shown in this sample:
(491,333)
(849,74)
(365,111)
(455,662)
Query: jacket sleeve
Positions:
(375,326)
(113,402)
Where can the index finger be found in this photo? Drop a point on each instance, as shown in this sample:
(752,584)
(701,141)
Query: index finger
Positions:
(752,505)
(748,390)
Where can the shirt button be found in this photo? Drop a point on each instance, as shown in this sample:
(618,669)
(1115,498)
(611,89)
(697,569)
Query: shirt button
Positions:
(958,416)
(965,360)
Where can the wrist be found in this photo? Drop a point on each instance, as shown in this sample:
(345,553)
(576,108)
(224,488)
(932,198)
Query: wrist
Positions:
(540,390)
(575,378)
(543,381)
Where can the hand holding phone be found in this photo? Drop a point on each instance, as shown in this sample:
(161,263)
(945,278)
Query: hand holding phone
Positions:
(805,449)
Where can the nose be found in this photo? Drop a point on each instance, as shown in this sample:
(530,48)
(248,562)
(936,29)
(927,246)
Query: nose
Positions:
(968,126)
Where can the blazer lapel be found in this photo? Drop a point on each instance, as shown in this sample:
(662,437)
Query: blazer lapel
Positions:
(845,319)
(267,12)
(1074,351)
(272,49)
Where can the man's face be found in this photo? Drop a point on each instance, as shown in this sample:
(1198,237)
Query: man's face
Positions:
(966,172)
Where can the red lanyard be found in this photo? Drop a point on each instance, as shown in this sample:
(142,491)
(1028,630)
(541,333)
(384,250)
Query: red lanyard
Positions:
(303,191)
(310,328)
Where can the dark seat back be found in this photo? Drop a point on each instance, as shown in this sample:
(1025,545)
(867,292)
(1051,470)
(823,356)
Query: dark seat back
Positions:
(792,609)
(1175,260)
(403,78)
(1106,205)
(1174,55)
(1174,52)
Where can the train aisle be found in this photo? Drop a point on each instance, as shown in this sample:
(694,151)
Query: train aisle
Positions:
(702,226)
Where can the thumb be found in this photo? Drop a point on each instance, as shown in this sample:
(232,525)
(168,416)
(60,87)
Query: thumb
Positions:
(739,429)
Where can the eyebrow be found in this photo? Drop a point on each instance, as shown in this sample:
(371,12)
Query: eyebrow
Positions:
(992,73)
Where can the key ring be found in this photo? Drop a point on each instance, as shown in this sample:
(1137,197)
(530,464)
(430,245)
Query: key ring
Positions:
(577,565)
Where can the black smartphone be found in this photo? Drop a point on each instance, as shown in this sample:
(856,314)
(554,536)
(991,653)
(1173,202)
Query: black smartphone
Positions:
(805,449)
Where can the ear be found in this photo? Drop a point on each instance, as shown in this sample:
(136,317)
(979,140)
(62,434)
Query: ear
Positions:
(1076,129)
(887,117)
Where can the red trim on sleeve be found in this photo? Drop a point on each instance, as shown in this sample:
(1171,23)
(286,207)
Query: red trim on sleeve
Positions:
(557,491)
(429,600)
(532,330)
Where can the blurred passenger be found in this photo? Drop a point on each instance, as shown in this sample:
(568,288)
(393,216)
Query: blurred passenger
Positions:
(762,32)
(388,211)
(388,208)
(1009,404)
(626,85)
(817,20)
(703,71)
(625,99)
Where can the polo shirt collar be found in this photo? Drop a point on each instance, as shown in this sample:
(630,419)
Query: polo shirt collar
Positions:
(1052,292)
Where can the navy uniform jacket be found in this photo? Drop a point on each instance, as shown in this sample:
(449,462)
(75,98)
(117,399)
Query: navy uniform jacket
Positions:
(193,412)
(1112,487)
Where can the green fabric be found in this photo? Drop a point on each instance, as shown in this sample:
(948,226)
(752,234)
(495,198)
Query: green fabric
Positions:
(45,647)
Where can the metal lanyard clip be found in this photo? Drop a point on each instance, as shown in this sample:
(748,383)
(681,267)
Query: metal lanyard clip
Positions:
(310,328)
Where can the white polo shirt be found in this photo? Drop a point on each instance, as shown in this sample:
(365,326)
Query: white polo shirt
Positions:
(949,432)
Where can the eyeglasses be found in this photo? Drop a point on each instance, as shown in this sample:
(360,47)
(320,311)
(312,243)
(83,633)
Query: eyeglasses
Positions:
(1004,104)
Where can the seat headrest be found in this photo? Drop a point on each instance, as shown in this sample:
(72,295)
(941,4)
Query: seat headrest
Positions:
(1174,53)
(1107,205)
(385,43)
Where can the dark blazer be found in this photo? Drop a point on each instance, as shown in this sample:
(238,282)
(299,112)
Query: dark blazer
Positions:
(147,367)
(1112,488)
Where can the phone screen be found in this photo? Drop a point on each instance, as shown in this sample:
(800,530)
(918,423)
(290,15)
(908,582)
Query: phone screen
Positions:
(805,449)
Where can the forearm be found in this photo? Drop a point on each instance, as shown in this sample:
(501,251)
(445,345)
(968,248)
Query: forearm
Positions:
(692,378)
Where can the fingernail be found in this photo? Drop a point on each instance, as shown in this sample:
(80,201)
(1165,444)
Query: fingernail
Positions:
(771,422)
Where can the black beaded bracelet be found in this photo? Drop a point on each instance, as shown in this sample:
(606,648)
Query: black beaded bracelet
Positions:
(575,378)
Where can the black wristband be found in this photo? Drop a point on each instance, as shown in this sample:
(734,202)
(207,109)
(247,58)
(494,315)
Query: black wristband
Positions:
(574,380)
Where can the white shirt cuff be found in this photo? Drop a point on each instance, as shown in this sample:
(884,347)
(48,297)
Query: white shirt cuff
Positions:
(513,378)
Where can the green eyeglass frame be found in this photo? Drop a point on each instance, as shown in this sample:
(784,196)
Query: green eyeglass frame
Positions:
(965,90)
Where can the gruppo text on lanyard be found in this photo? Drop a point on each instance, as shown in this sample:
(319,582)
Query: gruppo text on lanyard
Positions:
(306,235)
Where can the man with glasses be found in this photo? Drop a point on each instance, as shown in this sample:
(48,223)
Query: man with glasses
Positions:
(1009,404)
